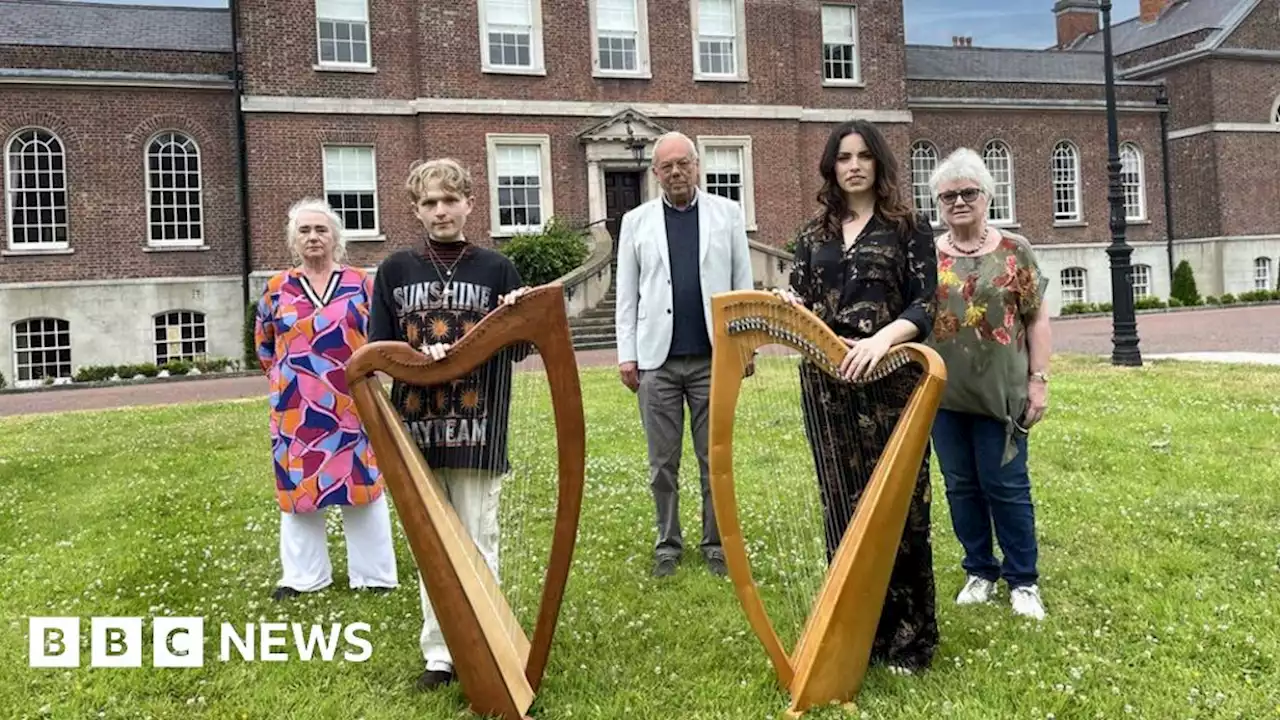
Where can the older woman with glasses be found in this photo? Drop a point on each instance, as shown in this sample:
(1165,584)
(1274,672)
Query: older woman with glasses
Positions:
(993,332)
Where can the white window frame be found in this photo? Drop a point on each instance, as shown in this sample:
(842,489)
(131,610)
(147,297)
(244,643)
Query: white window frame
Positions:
(1132,187)
(742,143)
(739,44)
(922,153)
(347,232)
(17,373)
(198,320)
(1083,286)
(1141,285)
(537,64)
(546,193)
(1262,279)
(1068,149)
(10,192)
(642,43)
(150,190)
(322,64)
(856,80)
(1007,183)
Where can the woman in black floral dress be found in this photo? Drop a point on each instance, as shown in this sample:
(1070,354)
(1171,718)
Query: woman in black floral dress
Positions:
(866,265)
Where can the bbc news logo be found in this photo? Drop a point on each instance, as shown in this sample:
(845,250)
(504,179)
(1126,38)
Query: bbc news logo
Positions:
(179,642)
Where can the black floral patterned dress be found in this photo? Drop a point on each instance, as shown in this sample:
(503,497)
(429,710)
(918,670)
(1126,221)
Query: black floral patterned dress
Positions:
(885,275)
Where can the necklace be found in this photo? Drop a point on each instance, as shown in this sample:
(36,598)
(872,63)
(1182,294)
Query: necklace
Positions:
(981,242)
(446,274)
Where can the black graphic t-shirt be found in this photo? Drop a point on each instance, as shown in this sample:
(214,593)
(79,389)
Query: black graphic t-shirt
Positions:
(463,423)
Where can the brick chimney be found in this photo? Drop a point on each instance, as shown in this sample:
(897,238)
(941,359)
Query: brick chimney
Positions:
(1076,18)
(1149,10)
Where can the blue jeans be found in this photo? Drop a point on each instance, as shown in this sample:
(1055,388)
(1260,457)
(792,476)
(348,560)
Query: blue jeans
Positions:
(981,492)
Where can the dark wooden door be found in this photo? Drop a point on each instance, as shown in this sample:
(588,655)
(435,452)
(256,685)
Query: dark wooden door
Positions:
(621,193)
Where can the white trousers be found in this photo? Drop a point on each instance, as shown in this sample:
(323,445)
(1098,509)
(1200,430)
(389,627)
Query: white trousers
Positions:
(474,495)
(371,557)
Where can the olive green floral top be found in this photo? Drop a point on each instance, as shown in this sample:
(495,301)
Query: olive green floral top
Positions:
(984,305)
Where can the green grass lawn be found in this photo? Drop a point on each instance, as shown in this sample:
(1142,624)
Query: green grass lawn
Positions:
(1157,509)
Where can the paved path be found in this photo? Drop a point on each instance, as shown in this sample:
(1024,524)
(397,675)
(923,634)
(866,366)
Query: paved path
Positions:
(1249,334)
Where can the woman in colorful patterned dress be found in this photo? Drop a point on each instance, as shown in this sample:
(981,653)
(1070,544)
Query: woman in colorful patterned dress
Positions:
(993,332)
(309,322)
(866,266)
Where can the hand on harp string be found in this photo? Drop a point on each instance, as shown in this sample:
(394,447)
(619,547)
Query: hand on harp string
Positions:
(863,356)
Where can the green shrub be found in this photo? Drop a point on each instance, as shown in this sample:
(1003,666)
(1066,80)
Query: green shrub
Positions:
(1149,302)
(1079,308)
(1228,299)
(1275,295)
(212,365)
(1104,307)
(1255,296)
(1184,285)
(177,367)
(94,373)
(1175,302)
(543,257)
(3,384)
(1211,300)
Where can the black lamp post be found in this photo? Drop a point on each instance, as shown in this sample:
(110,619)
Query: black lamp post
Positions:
(635,144)
(1124,325)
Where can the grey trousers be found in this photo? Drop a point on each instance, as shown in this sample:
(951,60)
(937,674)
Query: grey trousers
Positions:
(663,394)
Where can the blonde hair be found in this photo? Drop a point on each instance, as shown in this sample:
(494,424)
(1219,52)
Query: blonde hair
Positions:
(453,178)
(312,204)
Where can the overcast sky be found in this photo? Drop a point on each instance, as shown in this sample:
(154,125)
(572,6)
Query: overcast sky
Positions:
(991,23)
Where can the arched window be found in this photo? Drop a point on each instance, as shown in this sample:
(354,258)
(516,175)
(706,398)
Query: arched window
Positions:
(180,335)
(36,190)
(1262,274)
(1066,183)
(41,350)
(1141,281)
(999,161)
(1074,285)
(174,204)
(924,160)
(1132,181)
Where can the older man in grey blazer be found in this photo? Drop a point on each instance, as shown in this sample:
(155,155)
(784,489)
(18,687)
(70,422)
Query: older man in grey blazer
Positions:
(674,253)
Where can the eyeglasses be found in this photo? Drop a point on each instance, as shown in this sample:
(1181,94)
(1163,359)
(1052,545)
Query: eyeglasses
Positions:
(969,195)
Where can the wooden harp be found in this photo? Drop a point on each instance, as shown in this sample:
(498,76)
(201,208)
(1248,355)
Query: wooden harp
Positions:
(836,629)
(499,667)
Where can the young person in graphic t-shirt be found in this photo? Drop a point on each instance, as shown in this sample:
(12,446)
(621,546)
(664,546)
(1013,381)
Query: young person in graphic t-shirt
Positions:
(430,296)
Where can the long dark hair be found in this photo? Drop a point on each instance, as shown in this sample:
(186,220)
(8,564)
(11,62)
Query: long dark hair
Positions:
(890,204)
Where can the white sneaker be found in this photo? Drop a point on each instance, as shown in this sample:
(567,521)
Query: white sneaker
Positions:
(976,591)
(1026,601)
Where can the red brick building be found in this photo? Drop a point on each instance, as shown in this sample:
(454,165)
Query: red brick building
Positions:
(117,250)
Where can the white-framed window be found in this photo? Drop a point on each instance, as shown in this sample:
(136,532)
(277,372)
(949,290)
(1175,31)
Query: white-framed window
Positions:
(342,33)
(180,335)
(351,187)
(36,190)
(511,36)
(719,39)
(840,64)
(41,350)
(999,160)
(175,207)
(520,193)
(620,29)
(924,160)
(1141,281)
(1133,183)
(1074,285)
(726,165)
(1066,183)
(1262,274)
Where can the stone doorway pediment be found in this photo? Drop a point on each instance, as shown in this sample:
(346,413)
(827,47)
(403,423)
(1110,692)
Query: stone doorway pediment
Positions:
(626,125)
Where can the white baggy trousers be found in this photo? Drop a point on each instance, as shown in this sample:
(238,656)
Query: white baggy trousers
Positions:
(371,557)
(474,495)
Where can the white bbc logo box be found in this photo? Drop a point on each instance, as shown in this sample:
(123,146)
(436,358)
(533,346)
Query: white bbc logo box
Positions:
(177,642)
